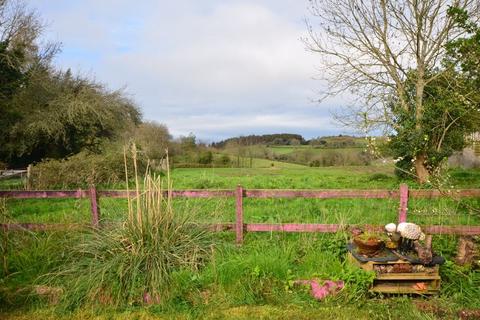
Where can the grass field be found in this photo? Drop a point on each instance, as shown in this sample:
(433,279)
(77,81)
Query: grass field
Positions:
(254,281)
(320,156)
(313,149)
(316,156)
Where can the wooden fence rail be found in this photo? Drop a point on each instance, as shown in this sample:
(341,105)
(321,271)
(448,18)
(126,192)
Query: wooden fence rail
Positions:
(403,194)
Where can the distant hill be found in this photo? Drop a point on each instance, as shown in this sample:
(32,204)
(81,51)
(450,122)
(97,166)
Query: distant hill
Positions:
(281,139)
(341,150)
(340,141)
(289,139)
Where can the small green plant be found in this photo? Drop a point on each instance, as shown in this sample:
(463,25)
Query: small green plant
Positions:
(357,281)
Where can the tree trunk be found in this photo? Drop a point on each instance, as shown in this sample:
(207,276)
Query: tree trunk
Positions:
(421,169)
(465,251)
(424,251)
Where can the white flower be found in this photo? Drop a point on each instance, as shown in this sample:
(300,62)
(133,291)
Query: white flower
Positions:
(398,159)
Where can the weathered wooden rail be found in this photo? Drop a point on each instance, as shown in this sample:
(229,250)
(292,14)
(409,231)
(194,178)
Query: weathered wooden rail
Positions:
(6,174)
(403,194)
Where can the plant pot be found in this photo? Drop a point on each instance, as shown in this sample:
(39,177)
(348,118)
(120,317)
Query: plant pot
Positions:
(368,246)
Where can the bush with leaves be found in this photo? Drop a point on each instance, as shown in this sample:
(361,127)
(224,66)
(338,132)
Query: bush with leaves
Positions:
(83,169)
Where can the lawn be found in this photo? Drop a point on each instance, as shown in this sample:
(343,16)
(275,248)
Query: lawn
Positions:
(254,281)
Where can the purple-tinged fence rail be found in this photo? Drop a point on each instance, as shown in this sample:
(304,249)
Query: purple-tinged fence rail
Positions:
(403,194)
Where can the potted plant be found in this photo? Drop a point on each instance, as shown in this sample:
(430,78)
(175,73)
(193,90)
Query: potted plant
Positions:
(369,242)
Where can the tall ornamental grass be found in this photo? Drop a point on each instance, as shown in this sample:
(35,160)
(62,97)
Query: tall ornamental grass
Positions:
(132,263)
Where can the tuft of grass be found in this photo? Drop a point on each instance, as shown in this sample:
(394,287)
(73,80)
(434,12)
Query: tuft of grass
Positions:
(133,264)
(461,284)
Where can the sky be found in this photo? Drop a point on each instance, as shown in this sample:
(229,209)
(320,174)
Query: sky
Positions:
(216,69)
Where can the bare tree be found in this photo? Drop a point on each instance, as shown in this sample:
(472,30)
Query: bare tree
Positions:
(20,29)
(370,47)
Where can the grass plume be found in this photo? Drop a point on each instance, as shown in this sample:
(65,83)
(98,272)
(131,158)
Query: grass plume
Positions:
(133,263)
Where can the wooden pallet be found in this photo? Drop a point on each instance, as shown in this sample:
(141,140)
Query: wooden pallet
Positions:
(401,282)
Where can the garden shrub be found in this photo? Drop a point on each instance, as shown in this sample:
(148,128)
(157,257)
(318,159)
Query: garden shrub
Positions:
(83,169)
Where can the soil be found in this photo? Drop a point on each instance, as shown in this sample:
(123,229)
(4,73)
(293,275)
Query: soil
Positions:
(431,307)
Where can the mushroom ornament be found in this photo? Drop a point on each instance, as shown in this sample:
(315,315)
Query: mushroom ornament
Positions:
(406,233)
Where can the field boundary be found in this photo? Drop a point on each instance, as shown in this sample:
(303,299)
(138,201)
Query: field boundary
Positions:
(239,227)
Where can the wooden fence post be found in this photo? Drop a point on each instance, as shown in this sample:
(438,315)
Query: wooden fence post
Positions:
(94,206)
(239,215)
(402,211)
(28,182)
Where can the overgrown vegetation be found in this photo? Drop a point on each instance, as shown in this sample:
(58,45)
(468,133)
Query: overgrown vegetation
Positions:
(49,113)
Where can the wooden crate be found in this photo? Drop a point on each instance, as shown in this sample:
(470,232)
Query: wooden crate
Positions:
(401,282)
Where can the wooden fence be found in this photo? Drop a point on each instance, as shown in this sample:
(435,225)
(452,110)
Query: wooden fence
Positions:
(403,194)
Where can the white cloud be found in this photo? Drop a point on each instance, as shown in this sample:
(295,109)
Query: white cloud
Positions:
(208,67)
(223,126)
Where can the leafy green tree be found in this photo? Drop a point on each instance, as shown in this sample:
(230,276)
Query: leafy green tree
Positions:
(224,159)
(451,103)
(205,157)
(47,113)
(188,143)
(11,79)
(464,52)
(11,76)
(61,114)
(19,28)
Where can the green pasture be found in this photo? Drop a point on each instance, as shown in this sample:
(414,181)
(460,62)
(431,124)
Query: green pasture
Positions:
(345,211)
(255,281)
(292,176)
(313,149)
(288,176)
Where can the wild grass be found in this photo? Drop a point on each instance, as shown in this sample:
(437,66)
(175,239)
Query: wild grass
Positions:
(132,264)
(29,256)
(49,210)
(237,283)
